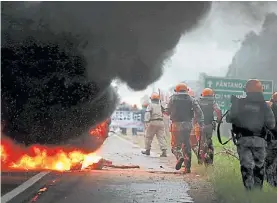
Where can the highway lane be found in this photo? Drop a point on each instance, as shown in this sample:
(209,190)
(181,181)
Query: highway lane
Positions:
(11,180)
(155,181)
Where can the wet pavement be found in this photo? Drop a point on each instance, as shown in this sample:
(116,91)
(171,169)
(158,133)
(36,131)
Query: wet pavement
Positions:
(153,182)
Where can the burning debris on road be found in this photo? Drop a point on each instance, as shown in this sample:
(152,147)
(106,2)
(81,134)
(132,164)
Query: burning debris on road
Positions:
(61,158)
(58,158)
(37,157)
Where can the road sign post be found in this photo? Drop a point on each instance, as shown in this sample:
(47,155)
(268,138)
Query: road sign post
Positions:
(225,87)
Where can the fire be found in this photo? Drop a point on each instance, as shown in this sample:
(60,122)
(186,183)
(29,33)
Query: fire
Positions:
(38,157)
(101,130)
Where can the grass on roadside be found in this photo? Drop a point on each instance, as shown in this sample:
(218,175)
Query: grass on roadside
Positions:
(225,177)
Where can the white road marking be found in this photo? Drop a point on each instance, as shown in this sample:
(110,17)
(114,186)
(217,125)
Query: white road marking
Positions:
(10,195)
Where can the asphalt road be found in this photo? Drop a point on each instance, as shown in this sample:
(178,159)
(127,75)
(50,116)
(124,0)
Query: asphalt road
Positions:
(10,180)
(155,181)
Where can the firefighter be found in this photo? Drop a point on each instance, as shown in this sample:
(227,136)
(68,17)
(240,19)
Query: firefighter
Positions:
(271,157)
(209,108)
(249,117)
(181,109)
(154,125)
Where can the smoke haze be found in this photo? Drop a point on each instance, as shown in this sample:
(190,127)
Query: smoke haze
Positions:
(59,58)
(211,46)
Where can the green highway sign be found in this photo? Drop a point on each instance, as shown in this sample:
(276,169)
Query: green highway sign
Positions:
(228,84)
(224,88)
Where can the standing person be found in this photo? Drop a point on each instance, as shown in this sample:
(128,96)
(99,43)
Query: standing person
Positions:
(154,125)
(181,109)
(134,130)
(271,157)
(209,108)
(123,107)
(249,117)
(143,110)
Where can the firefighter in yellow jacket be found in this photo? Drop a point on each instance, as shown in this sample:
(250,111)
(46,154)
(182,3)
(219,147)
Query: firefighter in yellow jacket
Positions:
(153,119)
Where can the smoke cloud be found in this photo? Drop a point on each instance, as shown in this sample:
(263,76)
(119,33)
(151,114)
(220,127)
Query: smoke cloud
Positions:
(59,58)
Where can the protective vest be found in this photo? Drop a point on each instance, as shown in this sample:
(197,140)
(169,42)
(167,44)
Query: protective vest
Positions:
(155,111)
(250,115)
(208,111)
(181,109)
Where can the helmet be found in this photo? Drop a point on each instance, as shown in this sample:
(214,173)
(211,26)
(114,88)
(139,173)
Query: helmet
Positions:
(274,97)
(181,87)
(253,85)
(207,92)
(155,96)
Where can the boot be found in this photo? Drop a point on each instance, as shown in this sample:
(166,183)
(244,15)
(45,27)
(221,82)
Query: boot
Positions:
(163,153)
(146,152)
(187,170)
(179,163)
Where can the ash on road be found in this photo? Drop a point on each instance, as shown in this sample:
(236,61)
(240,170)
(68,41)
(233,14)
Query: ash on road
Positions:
(155,181)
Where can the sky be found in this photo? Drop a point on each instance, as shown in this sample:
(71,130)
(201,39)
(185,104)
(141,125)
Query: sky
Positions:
(210,46)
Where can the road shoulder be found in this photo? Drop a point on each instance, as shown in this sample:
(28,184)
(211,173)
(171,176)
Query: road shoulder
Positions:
(201,189)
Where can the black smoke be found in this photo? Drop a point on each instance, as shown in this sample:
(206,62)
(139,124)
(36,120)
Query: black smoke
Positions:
(58,60)
(256,57)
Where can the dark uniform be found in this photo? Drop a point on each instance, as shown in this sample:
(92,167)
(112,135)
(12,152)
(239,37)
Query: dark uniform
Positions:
(249,116)
(209,107)
(271,157)
(181,109)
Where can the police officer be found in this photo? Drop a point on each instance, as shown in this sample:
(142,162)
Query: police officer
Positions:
(154,125)
(271,157)
(181,109)
(209,108)
(249,116)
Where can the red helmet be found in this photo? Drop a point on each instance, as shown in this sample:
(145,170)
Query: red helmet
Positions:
(207,92)
(181,87)
(155,96)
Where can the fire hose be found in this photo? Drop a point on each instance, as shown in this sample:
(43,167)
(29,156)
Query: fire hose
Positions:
(218,131)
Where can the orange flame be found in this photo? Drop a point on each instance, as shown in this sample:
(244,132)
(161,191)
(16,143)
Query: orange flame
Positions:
(38,157)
